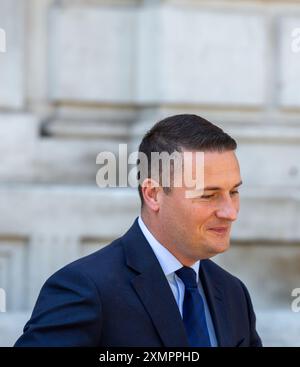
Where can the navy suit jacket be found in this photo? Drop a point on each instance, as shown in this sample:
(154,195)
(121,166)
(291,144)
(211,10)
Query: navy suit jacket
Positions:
(119,296)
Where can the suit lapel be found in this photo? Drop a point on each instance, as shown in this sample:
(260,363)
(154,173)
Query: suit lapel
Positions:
(153,289)
(217,305)
(160,303)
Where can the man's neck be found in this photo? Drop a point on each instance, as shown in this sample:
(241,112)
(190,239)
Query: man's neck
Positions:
(158,234)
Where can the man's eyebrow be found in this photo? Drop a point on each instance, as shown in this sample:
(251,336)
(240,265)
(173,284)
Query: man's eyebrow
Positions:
(210,188)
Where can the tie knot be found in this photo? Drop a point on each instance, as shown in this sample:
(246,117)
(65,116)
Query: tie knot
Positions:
(188,276)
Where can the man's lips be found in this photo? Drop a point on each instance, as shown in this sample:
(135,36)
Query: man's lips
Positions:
(219,230)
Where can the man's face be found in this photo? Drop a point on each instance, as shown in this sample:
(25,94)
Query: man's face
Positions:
(198,228)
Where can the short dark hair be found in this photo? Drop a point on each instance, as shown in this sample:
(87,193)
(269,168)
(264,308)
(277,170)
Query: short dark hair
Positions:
(186,131)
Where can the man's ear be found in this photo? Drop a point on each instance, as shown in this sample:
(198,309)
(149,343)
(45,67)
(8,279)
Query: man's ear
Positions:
(151,194)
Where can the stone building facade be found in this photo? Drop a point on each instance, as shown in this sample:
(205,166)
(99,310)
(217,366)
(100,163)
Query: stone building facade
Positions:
(82,76)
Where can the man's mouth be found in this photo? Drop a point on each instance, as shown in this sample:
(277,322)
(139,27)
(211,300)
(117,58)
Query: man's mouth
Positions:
(219,230)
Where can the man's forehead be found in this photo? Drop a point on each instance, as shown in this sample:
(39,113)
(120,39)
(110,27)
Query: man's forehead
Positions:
(222,171)
(213,170)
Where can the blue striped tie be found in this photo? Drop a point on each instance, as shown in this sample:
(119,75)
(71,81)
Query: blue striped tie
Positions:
(193,310)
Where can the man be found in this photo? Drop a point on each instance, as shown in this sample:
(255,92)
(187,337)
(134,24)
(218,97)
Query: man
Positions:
(156,286)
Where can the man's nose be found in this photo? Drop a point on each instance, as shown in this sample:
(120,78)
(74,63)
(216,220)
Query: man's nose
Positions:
(227,210)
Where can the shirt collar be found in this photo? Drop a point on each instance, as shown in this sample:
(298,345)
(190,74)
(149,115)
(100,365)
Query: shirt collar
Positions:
(166,259)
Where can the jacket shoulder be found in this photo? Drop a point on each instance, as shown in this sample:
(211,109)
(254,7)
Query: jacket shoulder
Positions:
(221,274)
(100,262)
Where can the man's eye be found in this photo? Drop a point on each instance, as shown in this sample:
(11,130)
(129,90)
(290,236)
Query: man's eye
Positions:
(207,196)
(213,195)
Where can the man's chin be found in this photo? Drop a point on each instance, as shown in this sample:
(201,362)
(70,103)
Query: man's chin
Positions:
(219,248)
